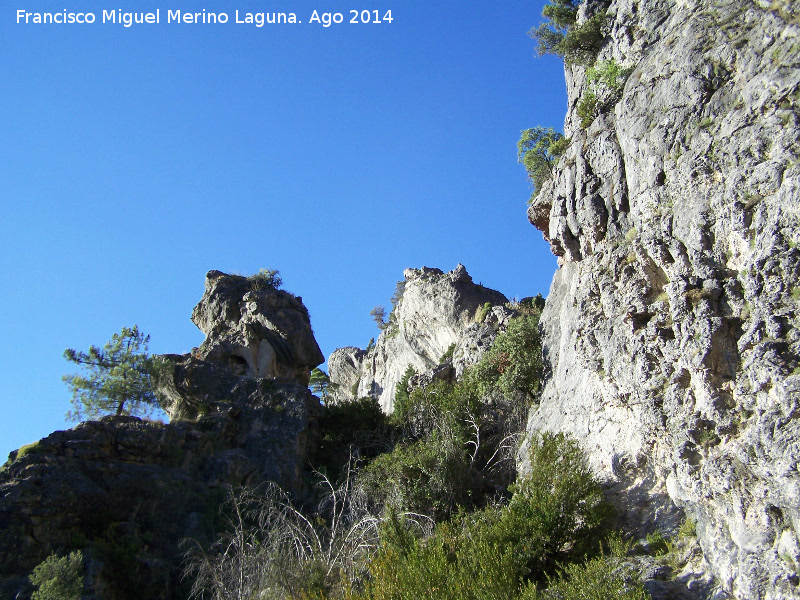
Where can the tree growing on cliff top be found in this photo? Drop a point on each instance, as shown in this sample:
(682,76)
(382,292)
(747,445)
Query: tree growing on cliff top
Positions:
(116,379)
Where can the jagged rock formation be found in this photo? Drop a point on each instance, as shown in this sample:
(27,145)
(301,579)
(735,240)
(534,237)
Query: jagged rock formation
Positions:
(673,326)
(436,310)
(125,491)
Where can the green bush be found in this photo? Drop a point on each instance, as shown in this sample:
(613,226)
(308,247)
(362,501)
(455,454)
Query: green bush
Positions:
(605,83)
(430,476)
(448,354)
(450,565)
(514,363)
(557,512)
(264,279)
(480,316)
(401,397)
(356,427)
(587,108)
(538,150)
(562,36)
(59,578)
(32,448)
(600,578)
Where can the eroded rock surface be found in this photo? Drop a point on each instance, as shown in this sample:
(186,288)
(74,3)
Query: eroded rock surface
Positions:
(126,491)
(672,325)
(436,310)
(253,331)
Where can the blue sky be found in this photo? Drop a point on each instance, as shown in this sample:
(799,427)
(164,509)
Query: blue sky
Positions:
(134,160)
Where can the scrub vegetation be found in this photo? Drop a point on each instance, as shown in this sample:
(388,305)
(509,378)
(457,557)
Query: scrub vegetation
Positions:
(427,502)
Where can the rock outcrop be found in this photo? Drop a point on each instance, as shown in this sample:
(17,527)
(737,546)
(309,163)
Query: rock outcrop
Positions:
(126,491)
(436,310)
(673,322)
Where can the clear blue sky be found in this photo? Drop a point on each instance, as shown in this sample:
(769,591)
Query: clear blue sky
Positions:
(134,160)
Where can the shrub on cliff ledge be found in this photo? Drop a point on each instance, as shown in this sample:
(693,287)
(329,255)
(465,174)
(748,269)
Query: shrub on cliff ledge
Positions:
(538,150)
(266,278)
(562,36)
(514,363)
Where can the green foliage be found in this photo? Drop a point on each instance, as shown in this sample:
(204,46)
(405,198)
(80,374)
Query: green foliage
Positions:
(430,476)
(658,544)
(480,316)
(401,397)
(370,345)
(378,314)
(538,150)
(117,379)
(605,83)
(451,565)
(556,514)
(562,36)
(448,354)
(356,427)
(557,511)
(599,578)
(31,448)
(266,278)
(320,383)
(59,578)
(587,110)
(688,528)
(514,363)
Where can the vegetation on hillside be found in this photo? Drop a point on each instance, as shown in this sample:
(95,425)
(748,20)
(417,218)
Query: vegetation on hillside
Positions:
(427,502)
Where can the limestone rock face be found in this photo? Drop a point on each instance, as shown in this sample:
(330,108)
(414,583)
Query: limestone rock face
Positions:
(251,332)
(126,491)
(435,311)
(673,322)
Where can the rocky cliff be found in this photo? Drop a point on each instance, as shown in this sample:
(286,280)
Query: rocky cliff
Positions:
(435,311)
(672,322)
(126,491)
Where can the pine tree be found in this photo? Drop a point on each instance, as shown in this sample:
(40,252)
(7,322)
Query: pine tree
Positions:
(116,379)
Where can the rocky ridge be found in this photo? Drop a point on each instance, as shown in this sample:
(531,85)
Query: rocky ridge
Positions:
(672,324)
(125,491)
(437,310)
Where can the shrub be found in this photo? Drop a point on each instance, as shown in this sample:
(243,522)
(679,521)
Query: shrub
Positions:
(356,428)
(272,549)
(59,578)
(32,448)
(600,578)
(538,150)
(480,316)
(430,476)
(557,512)
(562,36)
(605,83)
(401,397)
(448,354)
(514,363)
(450,565)
(264,279)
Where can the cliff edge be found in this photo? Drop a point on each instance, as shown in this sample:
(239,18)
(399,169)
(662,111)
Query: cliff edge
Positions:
(672,324)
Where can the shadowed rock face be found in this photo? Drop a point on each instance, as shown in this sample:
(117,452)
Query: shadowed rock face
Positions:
(126,491)
(672,326)
(435,311)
